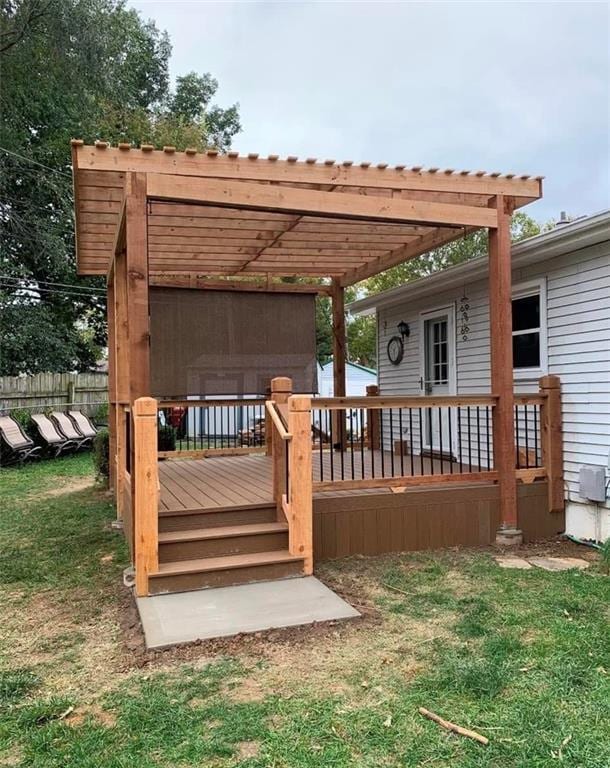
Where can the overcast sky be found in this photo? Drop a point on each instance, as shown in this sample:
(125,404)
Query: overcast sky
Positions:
(511,87)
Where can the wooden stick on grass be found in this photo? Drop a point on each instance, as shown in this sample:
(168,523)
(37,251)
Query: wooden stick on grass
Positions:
(453,727)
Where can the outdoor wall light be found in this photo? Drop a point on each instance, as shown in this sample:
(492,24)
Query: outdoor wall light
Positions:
(403,329)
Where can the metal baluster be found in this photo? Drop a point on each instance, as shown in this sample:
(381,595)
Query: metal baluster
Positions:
(459,426)
(329,420)
(469,440)
(411,440)
(402,452)
(341,431)
(214,427)
(517,436)
(450,441)
(320,438)
(421,442)
(362,442)
(391,443)
(382,443)
(487,434)
(429,412)
(351,439)
(478,439)
(536,464)
(440,434)
(527,445)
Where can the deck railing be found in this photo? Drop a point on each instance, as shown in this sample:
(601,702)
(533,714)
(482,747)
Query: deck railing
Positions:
(219,427)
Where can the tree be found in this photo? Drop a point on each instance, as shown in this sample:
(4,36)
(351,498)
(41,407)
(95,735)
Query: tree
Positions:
(88,69)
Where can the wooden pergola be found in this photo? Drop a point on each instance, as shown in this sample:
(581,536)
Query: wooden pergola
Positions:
(222,221)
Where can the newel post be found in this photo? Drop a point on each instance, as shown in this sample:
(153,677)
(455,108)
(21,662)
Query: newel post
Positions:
(145,491)
(552,440)
(372,419)
(281,390)
(300,537)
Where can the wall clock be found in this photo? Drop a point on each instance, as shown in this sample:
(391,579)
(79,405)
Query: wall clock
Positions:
(395,350)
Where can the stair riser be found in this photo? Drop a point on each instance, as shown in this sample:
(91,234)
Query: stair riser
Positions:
(189,581)
(216,519)
(234,545)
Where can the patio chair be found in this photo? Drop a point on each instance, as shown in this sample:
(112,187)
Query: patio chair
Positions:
(83,424)
(53,438)
(21,446)
(67,428)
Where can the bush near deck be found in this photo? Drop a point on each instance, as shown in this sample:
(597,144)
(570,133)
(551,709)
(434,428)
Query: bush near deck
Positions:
(523,657)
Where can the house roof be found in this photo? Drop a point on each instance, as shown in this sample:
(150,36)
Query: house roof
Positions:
(230,215)
(348,363)
(580,233)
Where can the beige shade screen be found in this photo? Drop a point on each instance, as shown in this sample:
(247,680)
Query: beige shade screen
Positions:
(230,342)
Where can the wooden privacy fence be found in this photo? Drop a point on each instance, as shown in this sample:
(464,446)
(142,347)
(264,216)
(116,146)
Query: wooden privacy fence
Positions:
(85,391)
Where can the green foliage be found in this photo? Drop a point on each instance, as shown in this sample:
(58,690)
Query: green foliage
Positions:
(464,249)
(16,684)
(100,415)
(604,552)
(166,438)
(101,453)
(88,69)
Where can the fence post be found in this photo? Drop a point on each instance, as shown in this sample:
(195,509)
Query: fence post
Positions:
(552,440)
(372,419)
(281,390)
(300,537)
(145,491)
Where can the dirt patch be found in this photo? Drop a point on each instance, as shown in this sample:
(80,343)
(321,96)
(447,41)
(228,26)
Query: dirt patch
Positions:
(247,749)
(70,485)
(244,691)
(95,712)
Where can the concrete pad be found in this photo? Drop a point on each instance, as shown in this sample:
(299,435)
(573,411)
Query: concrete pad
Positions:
(559,563)
(511,561)
(224,611)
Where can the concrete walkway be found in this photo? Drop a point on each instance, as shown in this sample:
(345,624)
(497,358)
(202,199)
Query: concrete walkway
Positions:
(208,613)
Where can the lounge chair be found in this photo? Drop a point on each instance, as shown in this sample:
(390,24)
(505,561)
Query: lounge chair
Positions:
(67,428)
(83,424)
(51,435)
(19,443)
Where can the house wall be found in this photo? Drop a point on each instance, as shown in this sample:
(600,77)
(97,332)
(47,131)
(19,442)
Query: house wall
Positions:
(576,288)
(356,380)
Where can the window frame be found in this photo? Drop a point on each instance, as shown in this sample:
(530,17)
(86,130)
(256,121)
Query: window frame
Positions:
(522,291)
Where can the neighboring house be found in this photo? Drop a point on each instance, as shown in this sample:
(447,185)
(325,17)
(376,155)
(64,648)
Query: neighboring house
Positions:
(357,378)
(561,326)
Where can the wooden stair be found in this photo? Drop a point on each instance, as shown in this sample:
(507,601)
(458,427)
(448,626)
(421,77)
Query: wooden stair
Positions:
(201,548)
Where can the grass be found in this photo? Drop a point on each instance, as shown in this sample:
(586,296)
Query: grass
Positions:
(521,656)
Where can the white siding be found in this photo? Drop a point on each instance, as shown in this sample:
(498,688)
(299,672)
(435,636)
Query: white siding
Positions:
(578,344)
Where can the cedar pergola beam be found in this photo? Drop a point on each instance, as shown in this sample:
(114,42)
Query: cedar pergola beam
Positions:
(196,280)
(299,201)
(105,158)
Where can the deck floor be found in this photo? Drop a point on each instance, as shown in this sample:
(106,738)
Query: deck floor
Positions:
(227,481)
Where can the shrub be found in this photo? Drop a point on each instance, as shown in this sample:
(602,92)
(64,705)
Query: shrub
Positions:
(100,415)
(166,438)
(101,453)
(23,417)
(604,551)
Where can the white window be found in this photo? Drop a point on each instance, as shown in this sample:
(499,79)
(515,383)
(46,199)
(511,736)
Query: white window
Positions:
(529,330)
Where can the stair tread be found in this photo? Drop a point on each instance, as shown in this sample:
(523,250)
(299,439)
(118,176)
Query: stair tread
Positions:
(225,563)
(221,532)
(263,505)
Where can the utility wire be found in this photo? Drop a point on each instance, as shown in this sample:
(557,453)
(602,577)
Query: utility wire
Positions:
(52,284)
(35,162)
(51,291)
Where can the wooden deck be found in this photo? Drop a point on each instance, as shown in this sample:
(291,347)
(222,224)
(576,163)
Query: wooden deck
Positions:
(227,481)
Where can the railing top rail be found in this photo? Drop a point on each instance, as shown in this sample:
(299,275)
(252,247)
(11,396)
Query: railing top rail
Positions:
(210,403)
(534,399)
(398,401)
(274,411)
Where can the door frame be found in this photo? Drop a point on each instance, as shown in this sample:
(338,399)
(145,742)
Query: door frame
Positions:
(450,311)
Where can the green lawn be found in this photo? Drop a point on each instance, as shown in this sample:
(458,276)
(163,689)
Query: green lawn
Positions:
(521,657)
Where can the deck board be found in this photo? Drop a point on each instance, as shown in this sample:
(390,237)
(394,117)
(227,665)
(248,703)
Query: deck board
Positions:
(225,481)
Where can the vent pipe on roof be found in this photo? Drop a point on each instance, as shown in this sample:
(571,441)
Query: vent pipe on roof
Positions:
(563,219)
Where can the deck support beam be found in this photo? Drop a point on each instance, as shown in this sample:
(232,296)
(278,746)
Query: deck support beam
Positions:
(500,310)
(338,319)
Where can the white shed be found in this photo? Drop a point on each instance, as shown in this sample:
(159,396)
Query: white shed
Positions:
(357,378)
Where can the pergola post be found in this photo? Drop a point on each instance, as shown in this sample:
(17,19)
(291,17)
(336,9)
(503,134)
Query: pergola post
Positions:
(500,311)
(121,373)
(112,384)
(338,318)
(137,286)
